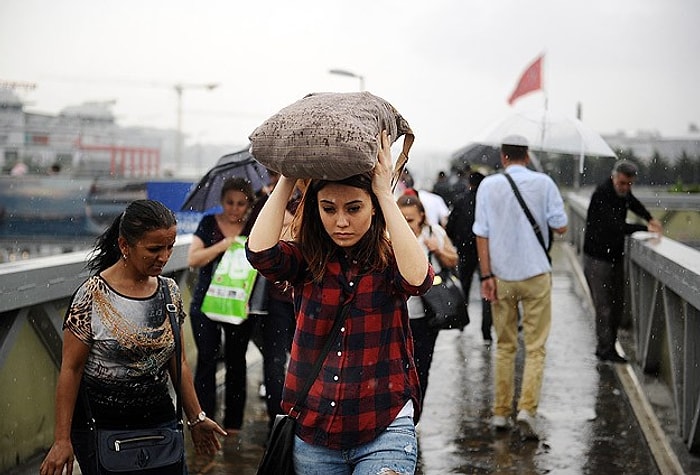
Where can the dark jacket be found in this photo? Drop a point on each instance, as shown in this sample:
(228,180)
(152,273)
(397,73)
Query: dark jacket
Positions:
(606,225)
(459,226)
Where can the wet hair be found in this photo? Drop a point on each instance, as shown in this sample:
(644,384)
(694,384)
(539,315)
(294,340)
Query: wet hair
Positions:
(409,200)
(373,251)
(139,217)
(625,167)
(237,183)
(515,153)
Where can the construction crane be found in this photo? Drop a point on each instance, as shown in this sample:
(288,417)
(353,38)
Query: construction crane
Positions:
(179,89)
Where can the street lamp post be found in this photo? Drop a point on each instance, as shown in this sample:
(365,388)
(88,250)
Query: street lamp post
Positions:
(343,72)
(179,142)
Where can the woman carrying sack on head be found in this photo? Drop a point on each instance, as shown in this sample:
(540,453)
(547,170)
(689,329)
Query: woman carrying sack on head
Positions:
(367,394)
(119,345)
(213,237)
(443,254)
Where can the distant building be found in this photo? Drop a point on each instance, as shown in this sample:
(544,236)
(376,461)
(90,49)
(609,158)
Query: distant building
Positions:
(81,140)
(645,144)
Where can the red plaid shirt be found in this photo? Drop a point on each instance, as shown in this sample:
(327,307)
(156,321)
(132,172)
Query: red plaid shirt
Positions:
(369,373)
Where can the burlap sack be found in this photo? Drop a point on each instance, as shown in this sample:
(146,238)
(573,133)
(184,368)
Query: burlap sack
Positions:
(329,136)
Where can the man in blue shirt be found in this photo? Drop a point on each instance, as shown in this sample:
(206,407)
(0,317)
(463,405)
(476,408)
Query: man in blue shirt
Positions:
(515,271)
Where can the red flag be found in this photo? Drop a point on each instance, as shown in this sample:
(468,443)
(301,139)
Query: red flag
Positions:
(530,81)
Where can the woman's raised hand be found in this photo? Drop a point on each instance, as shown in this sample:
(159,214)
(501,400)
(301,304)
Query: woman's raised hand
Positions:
(381,182)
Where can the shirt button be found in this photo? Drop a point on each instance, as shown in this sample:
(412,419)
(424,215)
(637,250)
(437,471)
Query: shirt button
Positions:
(340,353)
(342,329)
(332,403)
(352,283)
(336,378)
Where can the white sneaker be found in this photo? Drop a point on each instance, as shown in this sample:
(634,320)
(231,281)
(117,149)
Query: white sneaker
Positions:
(526,426)
(500,422)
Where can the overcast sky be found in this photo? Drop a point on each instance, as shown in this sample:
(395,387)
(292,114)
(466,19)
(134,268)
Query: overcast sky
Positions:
(448,66)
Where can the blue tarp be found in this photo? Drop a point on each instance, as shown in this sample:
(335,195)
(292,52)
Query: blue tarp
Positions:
(172,194)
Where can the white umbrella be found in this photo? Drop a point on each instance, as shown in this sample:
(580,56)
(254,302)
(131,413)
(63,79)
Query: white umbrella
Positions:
(547,131)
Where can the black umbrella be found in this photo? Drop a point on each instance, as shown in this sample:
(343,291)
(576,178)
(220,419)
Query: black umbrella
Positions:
(477,154)
(207,193)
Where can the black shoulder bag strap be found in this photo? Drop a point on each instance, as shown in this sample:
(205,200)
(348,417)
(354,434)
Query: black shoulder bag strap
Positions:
(430,253)
(535,226)
(171,308)
(337,324)
(431,256)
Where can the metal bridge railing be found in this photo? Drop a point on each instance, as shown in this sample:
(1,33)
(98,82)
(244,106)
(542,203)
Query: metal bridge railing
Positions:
(663,302)
(34,296)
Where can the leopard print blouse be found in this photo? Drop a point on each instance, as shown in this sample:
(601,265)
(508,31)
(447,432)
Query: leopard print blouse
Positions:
(131,343)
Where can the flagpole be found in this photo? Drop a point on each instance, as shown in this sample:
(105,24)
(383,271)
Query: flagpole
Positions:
(544,83)
(578,171)
(546,103)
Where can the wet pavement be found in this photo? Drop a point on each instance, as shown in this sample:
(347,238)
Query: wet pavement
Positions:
(587,422)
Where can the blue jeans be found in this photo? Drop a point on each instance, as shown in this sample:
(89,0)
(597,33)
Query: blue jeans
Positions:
(395,449)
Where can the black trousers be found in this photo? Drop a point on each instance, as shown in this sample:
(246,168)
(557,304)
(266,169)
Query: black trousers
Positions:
(207,336)
(424,339)
(606,281)
(467,268)
(277,333)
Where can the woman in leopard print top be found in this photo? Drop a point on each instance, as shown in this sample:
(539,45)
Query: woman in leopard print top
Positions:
(118,345)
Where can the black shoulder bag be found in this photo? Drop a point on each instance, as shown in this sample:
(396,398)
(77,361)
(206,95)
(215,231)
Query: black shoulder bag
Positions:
(445,302)
(535,226)
(155,451)
(278,458)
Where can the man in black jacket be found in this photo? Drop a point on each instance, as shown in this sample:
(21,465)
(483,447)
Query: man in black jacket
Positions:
(604,248)
(459,230)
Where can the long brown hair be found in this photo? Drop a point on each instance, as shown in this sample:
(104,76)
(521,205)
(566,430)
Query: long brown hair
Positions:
(373,252)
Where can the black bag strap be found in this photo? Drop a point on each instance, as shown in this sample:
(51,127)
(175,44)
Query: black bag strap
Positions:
(533,223)
(339,319)
(430,253)
(337,324)
(171,308)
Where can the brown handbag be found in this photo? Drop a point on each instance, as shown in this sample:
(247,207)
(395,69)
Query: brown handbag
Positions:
(329,136)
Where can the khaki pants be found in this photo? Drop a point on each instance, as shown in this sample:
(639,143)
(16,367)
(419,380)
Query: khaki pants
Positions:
(535,295)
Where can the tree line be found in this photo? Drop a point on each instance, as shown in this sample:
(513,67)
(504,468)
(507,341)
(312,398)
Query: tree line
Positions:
(681,176)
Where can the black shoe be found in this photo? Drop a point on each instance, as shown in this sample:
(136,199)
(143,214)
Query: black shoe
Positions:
(612,357)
